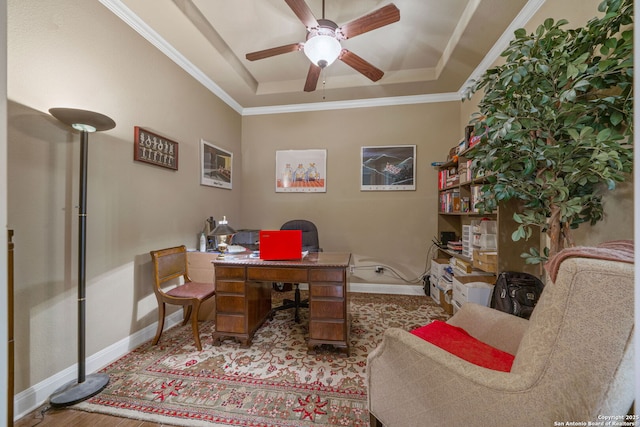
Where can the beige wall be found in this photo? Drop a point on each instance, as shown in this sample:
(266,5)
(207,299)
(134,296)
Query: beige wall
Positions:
(75,53)
(388,228)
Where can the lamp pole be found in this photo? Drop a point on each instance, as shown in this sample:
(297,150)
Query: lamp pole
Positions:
(85,386)
(82,254)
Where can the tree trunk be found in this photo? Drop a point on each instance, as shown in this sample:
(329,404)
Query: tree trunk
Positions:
(554,231)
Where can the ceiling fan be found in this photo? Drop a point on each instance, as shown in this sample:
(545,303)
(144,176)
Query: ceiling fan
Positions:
(322,45)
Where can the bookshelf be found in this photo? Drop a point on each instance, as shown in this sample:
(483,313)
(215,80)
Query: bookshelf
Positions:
(486,237)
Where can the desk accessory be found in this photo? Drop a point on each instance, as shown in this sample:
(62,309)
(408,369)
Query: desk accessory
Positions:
(223,233)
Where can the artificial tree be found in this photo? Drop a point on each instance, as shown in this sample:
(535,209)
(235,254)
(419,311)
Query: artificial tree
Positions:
(556,122)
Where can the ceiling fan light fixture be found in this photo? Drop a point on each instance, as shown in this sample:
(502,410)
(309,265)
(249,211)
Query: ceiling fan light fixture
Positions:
(322,48)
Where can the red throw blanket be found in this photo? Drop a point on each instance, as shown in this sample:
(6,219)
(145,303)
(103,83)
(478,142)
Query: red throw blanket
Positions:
(458,342)
(615,250)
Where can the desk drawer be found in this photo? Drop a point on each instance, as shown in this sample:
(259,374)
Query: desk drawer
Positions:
(288,275)
(336,275)
(326,290)
(327,309)
(329,331)
(223,272)
(230,323)
(229,286)
(230,304)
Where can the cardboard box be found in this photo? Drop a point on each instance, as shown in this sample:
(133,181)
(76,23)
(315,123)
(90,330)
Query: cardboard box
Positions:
(446,301)
(463,266)
(486,260)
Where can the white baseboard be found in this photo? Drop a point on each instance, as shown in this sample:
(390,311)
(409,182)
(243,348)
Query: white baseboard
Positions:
(380,288)
(28,400)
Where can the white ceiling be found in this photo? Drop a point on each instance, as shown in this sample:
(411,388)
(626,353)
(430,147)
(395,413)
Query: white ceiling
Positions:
(429,55)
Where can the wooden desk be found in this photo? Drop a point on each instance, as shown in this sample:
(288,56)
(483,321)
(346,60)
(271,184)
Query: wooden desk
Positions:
(243,295)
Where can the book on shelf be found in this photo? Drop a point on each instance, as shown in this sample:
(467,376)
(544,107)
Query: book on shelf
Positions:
(465,171)
(455,246)
(450,201)
(448,178)
(476,192)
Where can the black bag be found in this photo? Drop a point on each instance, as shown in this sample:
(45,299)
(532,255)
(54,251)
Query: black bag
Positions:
(516,293)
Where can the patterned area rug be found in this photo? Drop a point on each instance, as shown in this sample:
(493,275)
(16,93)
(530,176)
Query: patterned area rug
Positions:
(272,383)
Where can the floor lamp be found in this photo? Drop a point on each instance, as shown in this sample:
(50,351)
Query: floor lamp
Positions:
(86,385)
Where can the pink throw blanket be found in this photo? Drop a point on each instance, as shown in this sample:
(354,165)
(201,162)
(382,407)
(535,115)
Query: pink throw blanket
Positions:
(615,250)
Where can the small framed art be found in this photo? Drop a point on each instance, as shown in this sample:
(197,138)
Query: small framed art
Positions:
(216,166)
(301,171)
(388,168)
(151,148)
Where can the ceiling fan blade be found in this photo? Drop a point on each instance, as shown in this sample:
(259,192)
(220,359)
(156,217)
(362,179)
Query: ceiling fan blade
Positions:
(378,18)
(312,78)
(360,65)
(303,12)
(261,54)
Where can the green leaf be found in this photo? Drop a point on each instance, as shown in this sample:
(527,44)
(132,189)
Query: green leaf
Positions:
(616,118)
(572,71)
(517,235)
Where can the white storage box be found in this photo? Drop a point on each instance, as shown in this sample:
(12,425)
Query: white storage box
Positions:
(437,267)
(466,232)
(456,305)
(477,289)
(488,242)
(488,227)
(433,289)
(445,284)
(467,250)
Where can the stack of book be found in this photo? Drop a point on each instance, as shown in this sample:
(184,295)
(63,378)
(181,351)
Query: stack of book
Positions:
(455,246)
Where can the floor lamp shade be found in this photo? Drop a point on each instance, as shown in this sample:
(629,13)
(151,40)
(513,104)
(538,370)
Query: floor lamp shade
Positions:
(84,386)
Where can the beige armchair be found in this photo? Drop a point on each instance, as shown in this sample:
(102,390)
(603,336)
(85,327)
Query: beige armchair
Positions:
(573,360)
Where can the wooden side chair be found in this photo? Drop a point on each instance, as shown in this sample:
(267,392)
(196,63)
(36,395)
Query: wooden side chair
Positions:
(168,266)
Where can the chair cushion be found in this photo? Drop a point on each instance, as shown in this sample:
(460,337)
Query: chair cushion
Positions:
(458,342)
(193,290)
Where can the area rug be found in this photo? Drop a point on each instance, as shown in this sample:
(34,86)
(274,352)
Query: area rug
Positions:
(272,383)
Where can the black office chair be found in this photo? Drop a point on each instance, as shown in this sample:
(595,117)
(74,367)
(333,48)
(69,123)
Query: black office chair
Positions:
(310,243)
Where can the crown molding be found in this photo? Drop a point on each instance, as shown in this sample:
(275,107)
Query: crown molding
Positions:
(525,15)
(131,19)
(356,103)
(134,21)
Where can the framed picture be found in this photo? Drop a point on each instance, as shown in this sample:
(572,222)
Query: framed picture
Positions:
(151,148)
(216,166)
(301,171)
(388,168)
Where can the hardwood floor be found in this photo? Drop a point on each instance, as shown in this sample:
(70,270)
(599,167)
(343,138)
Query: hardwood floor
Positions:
(68,417)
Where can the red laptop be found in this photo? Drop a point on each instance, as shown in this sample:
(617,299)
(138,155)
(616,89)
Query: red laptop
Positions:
(279,245)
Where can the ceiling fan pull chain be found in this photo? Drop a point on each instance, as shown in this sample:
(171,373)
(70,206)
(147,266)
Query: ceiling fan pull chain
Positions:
(324,81)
